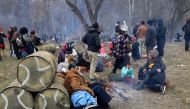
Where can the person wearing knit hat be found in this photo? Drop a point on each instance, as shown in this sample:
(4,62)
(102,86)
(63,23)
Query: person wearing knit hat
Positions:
(2,45)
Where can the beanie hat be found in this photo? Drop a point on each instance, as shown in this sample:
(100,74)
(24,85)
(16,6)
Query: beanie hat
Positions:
(95,25)
(23,31)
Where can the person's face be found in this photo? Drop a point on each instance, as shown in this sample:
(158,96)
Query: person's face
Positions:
(83,69)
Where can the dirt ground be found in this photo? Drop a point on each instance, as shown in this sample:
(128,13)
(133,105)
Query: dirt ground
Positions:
(178,67)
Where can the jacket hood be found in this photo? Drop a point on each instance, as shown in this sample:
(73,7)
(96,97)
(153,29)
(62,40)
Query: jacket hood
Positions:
(92,29)
(160,22)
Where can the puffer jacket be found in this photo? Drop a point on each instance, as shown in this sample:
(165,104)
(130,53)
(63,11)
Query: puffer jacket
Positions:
(82,98)
(92,40)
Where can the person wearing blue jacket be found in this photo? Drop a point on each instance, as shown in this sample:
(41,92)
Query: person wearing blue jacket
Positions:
(152,74)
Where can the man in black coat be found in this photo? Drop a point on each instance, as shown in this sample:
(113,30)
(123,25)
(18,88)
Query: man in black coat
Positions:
(186,30)
(93,41)
(161,37)
(150,39)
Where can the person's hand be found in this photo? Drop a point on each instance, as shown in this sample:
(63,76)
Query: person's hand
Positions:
(158,70)
(92,93)
(144,70)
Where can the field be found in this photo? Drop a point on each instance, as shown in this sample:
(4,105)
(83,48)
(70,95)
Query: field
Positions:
(178,67)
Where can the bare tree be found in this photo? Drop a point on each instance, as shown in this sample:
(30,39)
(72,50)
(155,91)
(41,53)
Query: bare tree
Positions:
(181,9)
(93,13)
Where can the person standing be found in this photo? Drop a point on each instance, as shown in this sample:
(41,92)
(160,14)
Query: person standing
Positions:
(141,33)
(120,50)
(186,30)
(10,36)
(25,43)
(135,29)
(161,37)
(14,44)
(93,41)
(2,44)
(150,39)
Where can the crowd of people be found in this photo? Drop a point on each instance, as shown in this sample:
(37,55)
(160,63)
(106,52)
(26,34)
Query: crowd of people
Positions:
(152,75)
(147,42)
(21,42)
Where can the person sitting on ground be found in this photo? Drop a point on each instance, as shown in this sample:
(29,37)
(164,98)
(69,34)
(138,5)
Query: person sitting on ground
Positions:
(135,50)
(152,74)
(75,81)
(61,57)
(127,73)
(2,44)
(178,37)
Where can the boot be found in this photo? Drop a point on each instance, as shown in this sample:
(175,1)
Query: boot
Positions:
(1,59)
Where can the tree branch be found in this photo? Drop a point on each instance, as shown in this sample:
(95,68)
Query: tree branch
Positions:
(77,12)
(97,7)
(90,12)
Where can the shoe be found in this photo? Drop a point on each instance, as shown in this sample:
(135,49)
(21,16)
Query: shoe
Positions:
(140,86)
(163,89)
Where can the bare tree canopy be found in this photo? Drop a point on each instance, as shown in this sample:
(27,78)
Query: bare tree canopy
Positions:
(92,12)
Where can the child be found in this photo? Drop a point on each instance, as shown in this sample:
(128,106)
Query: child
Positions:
(127,73)
(135,50)
(103,50)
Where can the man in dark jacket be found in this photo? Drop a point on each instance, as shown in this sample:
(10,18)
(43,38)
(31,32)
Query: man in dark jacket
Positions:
(93,41)
(161,37)
(150,39)
(186,30)
(135,29)
(152,73)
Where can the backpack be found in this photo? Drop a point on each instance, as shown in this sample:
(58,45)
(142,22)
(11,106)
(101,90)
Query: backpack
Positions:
(25,41)
(99,66)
